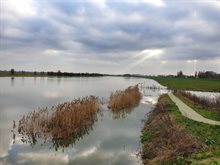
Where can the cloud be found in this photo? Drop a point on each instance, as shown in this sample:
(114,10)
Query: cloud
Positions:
(107,31)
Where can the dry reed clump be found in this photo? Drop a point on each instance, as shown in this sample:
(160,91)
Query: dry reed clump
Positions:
(166,141)
(125,99)
(202,102)
(73,119)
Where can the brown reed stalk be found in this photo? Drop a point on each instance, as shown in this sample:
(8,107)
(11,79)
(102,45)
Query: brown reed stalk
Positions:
(125,99)
(62,121)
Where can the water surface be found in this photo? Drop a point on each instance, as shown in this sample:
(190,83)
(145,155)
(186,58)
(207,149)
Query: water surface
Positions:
(113,139)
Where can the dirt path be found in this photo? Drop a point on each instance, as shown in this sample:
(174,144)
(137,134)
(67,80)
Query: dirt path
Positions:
(190,113)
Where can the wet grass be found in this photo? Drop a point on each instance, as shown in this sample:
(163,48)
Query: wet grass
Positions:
(67,121)
(125,99)
(209,108)
(211,85)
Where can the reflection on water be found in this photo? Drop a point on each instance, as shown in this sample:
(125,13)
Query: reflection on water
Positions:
(206,95)
(122,113)
(63,124)
(12,81)
(108,141)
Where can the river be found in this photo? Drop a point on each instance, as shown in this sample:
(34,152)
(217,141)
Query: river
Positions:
(113,140)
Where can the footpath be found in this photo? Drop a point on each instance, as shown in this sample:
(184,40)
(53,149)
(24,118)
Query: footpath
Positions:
(189,112)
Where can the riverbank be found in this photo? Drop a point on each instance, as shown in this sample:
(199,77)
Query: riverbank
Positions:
(168,137)
(194,84)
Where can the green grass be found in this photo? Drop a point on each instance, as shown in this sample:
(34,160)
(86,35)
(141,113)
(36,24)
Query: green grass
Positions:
(146,136)
(207,113)
(209,134)
(211,85)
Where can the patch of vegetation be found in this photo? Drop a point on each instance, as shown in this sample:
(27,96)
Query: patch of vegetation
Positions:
(62,124)
(195,84)
(125,99)
(209,134)
(177,139)
(164,141)
(146,136)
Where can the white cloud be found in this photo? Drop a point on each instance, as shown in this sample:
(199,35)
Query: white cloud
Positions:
(158,3)
(20,8)
(51,52)
(107,35)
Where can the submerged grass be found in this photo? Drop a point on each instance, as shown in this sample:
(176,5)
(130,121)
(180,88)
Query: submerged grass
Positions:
(69,119)
(125,99)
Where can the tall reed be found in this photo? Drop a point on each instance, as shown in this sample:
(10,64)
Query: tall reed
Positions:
(69,119)
(125,99)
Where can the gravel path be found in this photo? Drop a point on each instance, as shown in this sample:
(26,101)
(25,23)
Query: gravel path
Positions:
(190,113)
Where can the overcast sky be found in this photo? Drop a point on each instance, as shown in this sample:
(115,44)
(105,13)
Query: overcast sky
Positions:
(108,36)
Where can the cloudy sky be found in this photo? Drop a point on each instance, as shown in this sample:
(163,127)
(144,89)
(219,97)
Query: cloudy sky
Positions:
(110,36)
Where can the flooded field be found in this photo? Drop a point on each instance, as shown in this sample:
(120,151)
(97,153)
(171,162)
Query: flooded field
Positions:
(112,139)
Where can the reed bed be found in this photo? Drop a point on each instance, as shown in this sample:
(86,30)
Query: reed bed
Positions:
(203,102)
(125,99)
(69,119)
(121,114)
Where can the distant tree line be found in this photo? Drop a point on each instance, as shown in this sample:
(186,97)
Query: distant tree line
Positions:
(42,73)
(203,74)
(208,74)
(70,74)
(200,74)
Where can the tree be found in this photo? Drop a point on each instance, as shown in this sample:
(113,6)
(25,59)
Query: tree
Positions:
(196,75)
(12,71)
(180,74)
(59,73)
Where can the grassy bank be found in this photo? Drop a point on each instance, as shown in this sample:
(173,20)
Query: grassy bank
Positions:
(211,85)
(170,138)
